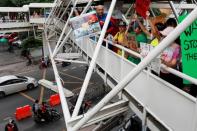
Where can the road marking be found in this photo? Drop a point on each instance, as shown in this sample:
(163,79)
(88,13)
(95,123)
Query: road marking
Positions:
(65,70)
(42,88)
(76,89)
(90,83)
(73,68)
(26,96)
(25,72)
(71,76)
(70,82)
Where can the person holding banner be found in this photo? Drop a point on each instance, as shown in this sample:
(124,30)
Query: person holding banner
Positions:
(156,24)
(112,28)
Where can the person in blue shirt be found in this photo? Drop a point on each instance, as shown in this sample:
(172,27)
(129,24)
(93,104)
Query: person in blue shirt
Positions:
(102,17)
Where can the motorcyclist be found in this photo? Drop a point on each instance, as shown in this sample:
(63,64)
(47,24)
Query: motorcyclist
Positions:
(11,126)
(44,111)
(36,107)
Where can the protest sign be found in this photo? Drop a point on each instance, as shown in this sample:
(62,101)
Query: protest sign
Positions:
(85,25)
(189,49)
(155,64)
(145,49)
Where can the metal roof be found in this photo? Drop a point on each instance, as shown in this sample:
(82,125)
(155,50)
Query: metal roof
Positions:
(25,8)
(41,5)
(14,9)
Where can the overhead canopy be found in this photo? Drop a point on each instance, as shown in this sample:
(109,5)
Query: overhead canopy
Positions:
(25,8)
(3,40)
(14,9)
(41,5)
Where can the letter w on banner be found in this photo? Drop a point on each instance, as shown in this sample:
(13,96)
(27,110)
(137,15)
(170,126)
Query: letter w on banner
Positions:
(142,6)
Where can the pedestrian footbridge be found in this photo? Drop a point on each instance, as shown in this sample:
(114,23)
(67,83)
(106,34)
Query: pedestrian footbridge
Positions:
(148,95)
(26,18)
(159,104)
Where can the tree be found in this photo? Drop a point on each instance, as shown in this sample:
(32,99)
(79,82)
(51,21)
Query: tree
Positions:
(20,3)
(6,3)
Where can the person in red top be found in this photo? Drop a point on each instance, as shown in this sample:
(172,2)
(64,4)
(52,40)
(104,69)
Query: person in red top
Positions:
(11,126)
(44,112)
(44,107)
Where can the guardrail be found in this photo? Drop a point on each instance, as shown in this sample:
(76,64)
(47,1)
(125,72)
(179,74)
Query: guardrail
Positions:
(14,25)
(171,70)
(172,106)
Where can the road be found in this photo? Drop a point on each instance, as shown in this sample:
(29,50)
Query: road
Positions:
(72,76)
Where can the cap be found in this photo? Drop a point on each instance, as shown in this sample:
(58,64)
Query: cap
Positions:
(122,23)
(166,31)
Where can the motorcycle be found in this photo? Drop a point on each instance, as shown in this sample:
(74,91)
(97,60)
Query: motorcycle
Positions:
(49,116)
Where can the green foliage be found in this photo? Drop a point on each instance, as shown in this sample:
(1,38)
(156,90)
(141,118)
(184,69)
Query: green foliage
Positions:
(20,3)
(31,42)
(5,3)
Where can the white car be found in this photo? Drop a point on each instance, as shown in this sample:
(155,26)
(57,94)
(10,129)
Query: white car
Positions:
(11,84)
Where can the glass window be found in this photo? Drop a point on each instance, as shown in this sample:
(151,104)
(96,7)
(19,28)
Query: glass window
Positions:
(22,77)
(14,81)
(4,83)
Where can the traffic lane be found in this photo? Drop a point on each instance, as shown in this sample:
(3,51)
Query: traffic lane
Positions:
(36,92)
(9,105)
(37,74)
(11,102)
(78,72)
(71,83)
(28,124)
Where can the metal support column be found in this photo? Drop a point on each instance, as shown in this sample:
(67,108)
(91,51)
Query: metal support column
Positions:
(69,32)
(93,62)
(65,27)
(65,10)
(49,19)
(174,10)
(64,103)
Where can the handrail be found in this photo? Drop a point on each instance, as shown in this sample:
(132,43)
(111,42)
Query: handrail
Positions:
(137,70)
(12,21)
(171,70)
